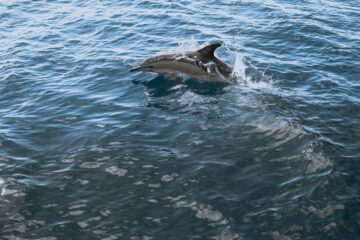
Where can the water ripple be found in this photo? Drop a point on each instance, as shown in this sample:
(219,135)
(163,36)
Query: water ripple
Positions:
(90,150)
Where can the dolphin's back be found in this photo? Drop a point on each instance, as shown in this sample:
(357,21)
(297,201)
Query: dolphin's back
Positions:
(208,52)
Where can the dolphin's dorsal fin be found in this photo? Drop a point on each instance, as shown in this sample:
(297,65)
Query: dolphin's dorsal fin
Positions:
(209,50)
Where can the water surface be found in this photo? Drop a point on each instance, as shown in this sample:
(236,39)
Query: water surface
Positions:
(89,150)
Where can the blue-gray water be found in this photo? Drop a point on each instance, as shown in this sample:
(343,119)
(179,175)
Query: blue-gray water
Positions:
(89,150)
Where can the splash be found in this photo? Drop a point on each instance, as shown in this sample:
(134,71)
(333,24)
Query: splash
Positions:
(239,69)
(241,78)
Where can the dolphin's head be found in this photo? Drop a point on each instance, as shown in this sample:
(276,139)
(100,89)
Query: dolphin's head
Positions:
(147,66)
(143,68)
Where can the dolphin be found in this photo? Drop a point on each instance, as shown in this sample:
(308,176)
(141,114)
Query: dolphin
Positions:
(201,64)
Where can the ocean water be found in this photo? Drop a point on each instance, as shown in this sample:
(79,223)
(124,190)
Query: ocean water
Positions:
(89,150)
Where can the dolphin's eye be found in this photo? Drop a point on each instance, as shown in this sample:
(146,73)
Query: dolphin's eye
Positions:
(150,66)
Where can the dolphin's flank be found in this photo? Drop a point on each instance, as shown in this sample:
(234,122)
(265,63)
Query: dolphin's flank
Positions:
(201,64)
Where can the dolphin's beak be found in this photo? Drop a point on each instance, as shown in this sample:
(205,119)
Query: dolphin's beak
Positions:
(136,69)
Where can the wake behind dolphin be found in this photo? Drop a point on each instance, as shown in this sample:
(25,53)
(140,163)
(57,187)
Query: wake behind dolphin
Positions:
(201,64)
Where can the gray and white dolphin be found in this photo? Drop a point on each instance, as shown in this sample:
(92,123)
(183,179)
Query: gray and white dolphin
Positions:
(201,64)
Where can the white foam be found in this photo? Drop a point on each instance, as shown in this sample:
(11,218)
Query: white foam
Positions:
(76,212)
(83,181)
(239,72)
(151,200)
(70,160)
(2,187)
(169,178)
(227,234)
(155,220)
(239,68)
(84,224)
(139,183)
(90,165)
(203,211)
(77,206)
(148,166)
(114,170)
(154,185)
(105,213)
(324,212)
